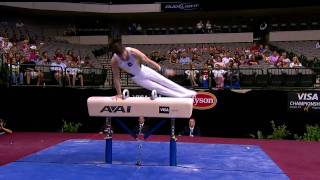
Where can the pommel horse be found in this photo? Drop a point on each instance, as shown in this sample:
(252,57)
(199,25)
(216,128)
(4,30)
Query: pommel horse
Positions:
(164,107)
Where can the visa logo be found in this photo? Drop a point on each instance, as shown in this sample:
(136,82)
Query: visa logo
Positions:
(164,110)
(307,96)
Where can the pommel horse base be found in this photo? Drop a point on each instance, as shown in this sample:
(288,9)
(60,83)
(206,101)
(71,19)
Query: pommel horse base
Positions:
(126,106)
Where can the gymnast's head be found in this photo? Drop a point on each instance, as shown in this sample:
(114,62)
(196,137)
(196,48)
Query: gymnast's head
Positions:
(118,49)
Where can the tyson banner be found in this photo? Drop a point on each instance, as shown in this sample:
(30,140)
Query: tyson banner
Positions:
(304,101)
(204,100)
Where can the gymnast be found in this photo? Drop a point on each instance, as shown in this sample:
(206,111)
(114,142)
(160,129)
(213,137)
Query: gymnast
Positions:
(131,60)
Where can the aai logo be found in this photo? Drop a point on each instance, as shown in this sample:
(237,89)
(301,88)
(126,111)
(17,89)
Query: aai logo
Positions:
(164,110)
(115,109)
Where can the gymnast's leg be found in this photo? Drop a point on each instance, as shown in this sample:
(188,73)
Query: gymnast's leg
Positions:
(154,76)
(150,85)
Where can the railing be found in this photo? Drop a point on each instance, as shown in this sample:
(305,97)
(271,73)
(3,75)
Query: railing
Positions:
(46,75)
(3,71)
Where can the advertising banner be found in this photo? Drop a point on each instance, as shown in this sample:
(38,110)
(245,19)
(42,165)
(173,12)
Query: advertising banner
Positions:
(180,6)
(307,101)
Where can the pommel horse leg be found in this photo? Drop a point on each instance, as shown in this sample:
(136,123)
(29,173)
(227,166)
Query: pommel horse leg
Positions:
(108,131)
(173,145)
(108,138)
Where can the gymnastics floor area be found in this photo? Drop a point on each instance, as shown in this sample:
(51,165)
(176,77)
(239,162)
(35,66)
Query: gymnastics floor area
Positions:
(81,156)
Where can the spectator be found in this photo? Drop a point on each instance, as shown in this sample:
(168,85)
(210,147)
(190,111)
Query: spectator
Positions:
(14,70)
(261,49)
(283,61)
(173,58)
(192,75)
(107,130)
(191,129)
(74,72)
(130,29)
(258,56)
(208,27)
(184,59)
(42,67)
(33,55)
(218,61)
(3,129)
(23,64)
(232,79)
(139,29)
(295,62)
(25,47)
(267,50)
(200,27)
(266,57)
(87,63)
(318,45)
(30,65)
(204,76)
(254,47)
(226,58)
(210,63)
(134,28)
(57,68)
(196,58)
(19,24)
(274,58)
(6,45)
(141,128)
(233,64)
(14,49)
(218,74)
(155,56)
(59,55)
(14,38)
(253,61)
(69,56)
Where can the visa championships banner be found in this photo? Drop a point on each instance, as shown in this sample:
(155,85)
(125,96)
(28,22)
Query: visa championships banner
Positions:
(307,101)
(180,6)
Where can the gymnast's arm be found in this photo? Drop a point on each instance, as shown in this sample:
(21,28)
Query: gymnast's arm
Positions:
(116,77)
(145,59)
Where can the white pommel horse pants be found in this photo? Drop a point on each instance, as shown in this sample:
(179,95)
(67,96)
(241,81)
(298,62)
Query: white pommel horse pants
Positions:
(152,80)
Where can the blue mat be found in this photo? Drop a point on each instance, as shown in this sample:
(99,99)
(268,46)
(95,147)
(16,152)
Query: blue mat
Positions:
(84,159)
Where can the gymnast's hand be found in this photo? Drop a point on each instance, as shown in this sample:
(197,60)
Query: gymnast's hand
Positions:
(116,97)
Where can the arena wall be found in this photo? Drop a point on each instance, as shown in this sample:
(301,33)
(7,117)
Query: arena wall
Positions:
(85,7)
(295,35)
(235,115)
(84,40)
(187,38)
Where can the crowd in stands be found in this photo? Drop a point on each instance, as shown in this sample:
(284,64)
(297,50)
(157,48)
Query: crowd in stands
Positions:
(215,58)
(204,28)
(134,28)
(27,61)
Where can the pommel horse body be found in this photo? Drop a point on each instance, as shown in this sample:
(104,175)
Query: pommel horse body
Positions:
(164,107)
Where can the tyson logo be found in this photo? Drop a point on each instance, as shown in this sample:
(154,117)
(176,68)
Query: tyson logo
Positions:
(204,100)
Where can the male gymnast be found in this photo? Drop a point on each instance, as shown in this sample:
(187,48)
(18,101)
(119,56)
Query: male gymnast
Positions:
(131,60)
